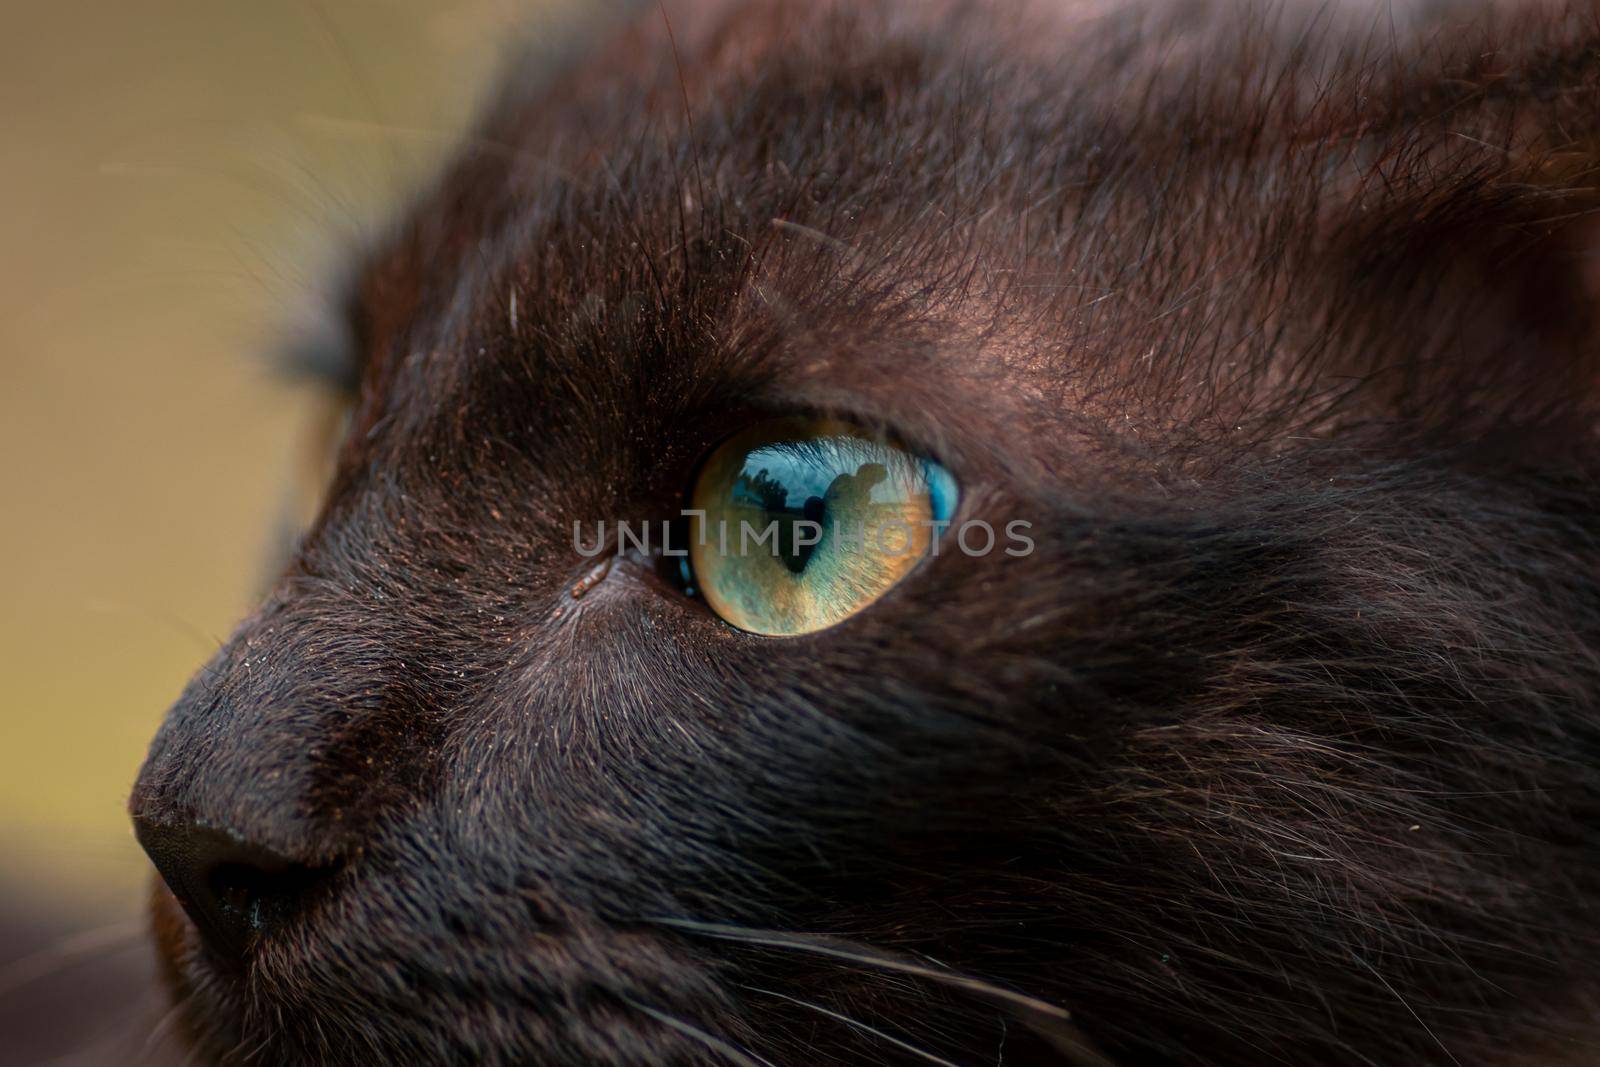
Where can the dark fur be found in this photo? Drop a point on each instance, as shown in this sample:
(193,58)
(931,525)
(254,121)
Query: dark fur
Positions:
(1283,745)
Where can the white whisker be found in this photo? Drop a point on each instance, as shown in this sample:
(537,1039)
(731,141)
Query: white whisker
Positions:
(67,951)
(857,1024)
(732,1052)
(1049,1021)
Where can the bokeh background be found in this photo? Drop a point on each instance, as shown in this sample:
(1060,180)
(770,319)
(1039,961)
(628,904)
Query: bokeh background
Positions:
(180,179)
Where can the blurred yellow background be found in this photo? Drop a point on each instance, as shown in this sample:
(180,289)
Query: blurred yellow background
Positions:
(180,179)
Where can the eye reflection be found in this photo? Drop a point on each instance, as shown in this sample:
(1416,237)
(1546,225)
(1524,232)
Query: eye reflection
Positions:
(807,521)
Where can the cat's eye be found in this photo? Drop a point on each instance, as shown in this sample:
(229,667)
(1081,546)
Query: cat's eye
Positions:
(806,521)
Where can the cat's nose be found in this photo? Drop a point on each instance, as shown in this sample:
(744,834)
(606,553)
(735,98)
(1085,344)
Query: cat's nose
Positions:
(233,891)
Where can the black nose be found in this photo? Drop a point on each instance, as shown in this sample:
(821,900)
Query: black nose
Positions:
(232,890)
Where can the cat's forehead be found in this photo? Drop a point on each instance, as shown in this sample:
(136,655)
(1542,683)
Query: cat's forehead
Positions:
(889,231)
(858,211)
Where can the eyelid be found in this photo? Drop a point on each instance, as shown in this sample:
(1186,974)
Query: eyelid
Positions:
(322,349)
(879,428)
(321,366)
(919,434)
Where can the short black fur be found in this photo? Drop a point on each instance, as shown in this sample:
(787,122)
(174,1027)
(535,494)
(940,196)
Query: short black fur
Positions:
(1281,747)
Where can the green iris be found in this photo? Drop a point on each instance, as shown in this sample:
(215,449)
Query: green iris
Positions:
(807,521)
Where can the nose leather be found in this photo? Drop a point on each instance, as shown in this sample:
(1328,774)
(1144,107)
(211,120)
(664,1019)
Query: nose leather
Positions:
(233,891)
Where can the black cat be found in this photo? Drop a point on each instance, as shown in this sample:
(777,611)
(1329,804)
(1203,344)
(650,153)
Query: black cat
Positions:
(1275,333)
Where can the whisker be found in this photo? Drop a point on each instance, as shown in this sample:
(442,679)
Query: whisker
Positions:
(205,641)
(1407,1005)
(100,1051)
(349,128)
(160,1031)
(823,945)
(1049,1021)
(62,954)
(732,1052)
(113,1042)
(904,1046)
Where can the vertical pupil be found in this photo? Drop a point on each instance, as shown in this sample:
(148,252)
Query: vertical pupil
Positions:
(796,542)
(801,523)
(796,548)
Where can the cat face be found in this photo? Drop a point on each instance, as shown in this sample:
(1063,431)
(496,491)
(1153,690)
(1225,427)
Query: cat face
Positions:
(1277,740)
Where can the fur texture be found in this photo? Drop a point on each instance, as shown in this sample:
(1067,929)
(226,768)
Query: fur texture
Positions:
(1282,746)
